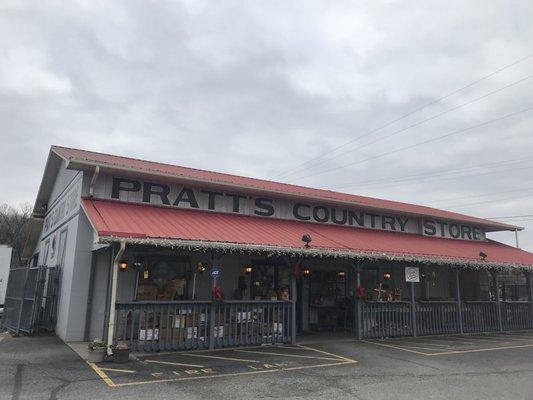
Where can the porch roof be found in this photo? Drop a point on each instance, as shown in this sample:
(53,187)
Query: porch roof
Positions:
(196,230)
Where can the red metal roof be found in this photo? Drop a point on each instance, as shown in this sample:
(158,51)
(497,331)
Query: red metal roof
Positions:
(130,220)
(281,189)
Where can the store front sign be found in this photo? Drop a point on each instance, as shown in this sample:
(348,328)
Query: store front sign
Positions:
(134,190)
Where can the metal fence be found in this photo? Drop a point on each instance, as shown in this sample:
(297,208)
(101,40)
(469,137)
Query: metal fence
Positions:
(26,302)
(186,325)
(382,319)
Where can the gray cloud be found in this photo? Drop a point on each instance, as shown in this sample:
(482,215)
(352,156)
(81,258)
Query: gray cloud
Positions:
(256,88)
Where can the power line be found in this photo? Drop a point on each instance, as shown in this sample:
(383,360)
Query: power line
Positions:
(484,195)
(516,62)
(490,201)
(423,121)
(405,178)
(421,143)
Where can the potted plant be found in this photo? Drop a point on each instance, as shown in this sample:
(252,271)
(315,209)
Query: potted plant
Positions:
(97,351)
(121,352)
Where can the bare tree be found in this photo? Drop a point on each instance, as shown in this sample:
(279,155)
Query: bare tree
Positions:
(14,228)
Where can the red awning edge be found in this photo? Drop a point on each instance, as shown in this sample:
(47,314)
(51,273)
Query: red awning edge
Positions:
(195,230)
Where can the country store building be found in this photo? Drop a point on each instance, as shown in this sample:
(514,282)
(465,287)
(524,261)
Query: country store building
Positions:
(168,257)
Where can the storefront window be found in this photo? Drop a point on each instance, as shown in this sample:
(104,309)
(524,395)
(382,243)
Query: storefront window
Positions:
(270,282)
(512,286)
(164,279)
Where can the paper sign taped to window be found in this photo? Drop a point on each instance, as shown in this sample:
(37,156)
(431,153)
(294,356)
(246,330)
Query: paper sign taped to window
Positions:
(412,274)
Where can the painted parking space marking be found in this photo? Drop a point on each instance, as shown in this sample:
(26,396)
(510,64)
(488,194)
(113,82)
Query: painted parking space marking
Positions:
(459,344)
(171,369)
(174,363)
(286,355)
(127,371)
(221,358)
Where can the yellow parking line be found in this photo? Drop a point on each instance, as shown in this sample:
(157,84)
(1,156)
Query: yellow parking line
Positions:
(422,348)
(220,357)
(287,355)
(229,375)
(174,363)
(102,374)
(481,350)
(118,370)
(395,347)
(326,353)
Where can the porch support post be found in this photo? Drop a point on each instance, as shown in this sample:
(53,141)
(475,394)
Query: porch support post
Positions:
(212,313)
(358,303)
(413,308)
(529,283)
(113,298)
(293,309)
(498,303)
(458,298)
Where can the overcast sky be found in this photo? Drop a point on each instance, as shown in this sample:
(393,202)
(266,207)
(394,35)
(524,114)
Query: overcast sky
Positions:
(258,88)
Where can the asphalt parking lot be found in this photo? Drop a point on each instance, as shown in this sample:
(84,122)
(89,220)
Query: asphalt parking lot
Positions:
(175,367)
(458,344)
(477,366)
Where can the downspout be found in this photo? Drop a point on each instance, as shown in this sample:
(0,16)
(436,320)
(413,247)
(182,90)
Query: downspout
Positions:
(93,180)
(113,299)
(516,238)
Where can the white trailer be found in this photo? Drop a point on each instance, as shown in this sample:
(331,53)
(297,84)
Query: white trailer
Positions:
(5,263)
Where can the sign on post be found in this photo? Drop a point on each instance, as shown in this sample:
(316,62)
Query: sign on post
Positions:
(215,272)
(412,274)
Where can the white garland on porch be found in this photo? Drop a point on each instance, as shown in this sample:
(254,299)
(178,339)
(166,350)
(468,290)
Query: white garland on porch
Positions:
(277,251)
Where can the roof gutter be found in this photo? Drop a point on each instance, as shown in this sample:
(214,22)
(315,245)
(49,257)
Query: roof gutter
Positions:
(93,180)
(199,245)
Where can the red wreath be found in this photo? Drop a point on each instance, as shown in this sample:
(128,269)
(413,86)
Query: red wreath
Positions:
(361,292)
(296,269)
(217,294)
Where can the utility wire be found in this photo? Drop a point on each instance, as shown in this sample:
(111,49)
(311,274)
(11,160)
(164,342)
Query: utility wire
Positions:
(490,201)
(299,166)
(442,178)
(424,120)
(421,143)
(433,174)
(485,195)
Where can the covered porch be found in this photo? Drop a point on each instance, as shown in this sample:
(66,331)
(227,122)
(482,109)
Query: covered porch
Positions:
(273,283)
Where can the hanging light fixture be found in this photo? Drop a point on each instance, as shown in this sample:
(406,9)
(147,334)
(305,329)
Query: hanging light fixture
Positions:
(306,272)
(123,265)
(387,276)
(248,269)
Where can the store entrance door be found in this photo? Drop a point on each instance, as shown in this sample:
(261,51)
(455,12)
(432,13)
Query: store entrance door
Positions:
(325,302)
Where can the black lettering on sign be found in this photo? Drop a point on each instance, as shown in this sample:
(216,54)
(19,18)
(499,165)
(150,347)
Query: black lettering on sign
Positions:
(478,235)
(211,200)
(442,226)
(388,221)
(402,222)
(162,191)
(339,221)
(265,206)
(429,228)
(187,195)
(466,232)
(373,219)
(236,201)
(359,218)
(296,212)
(320,214)
(455,231)
(124,185)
